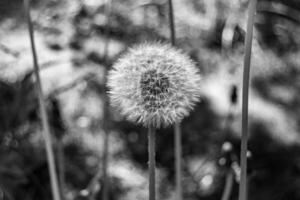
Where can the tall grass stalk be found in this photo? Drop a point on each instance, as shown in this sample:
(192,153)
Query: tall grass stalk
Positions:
(61,167)
(45,123)
(177,126)
(246,75)
(105,178)
(171,23)
(151,151)
(228,185)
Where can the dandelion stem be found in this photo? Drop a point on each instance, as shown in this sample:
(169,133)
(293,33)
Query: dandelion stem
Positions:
(228,186)
(105,165)
(108,7)
(61,166)
(178,162)
(171,23)
(45,123)
(247,62)
(151,151)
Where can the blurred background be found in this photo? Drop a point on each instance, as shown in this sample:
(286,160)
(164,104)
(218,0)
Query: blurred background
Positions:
(70,38)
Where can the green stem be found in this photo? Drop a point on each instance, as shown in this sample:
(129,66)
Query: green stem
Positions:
(177,127)
(105,165)
(151,151)
(105,189)
(246,75)
(61,166)
(171,23)
(178,158)
(45,123)
(228,186)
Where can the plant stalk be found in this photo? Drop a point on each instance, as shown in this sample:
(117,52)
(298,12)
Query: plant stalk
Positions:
(246,75)
(178,162)
(105,165)
(228,185)
(171,23)
(105,189)
(61,166)
(45,123)
(177,126)
(151,151)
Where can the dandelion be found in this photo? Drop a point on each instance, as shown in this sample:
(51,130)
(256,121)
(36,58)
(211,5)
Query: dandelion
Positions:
(154,84)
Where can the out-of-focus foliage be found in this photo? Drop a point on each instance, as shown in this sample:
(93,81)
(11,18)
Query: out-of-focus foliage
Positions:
(70,37)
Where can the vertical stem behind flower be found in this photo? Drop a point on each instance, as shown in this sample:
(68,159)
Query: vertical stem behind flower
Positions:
(108,7)
(177,127)
(247,62)
(171,23)
(151,151)
(228,185)
(45,123)
(178,162)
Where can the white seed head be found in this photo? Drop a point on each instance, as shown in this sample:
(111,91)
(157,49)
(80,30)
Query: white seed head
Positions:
(154,84)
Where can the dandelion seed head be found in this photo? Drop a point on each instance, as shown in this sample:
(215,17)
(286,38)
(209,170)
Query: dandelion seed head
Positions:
(154,87)
(154,84)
